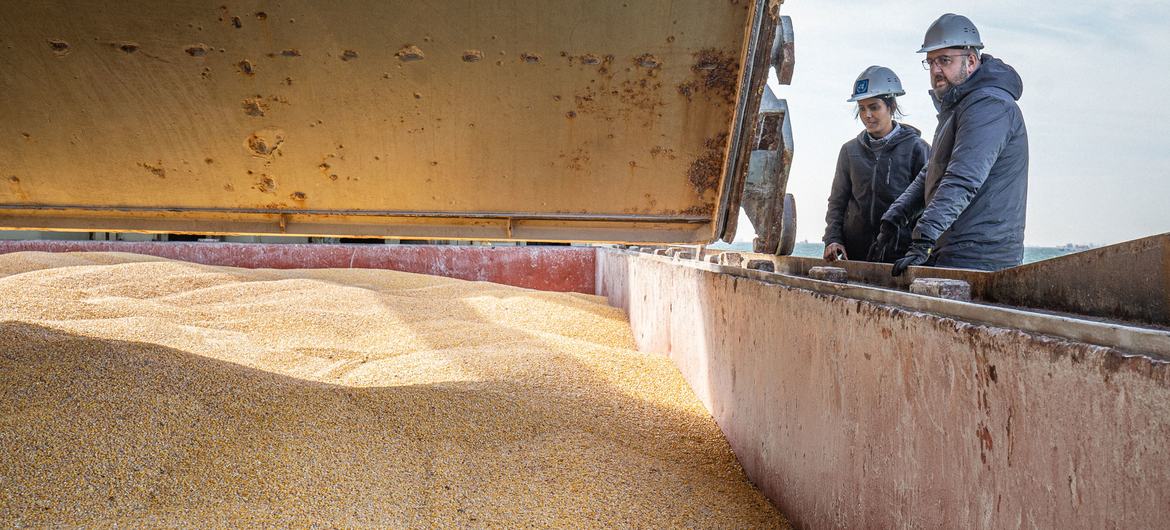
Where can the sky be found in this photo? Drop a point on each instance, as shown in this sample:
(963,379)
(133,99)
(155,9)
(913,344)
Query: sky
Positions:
(1096,103)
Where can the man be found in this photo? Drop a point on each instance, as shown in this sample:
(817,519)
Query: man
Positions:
(973,191)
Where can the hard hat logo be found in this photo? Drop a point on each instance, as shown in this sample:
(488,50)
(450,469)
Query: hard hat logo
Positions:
(951,31)
(876,81)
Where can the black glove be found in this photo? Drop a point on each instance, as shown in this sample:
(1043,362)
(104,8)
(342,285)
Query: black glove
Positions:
(918,253)
(881,245)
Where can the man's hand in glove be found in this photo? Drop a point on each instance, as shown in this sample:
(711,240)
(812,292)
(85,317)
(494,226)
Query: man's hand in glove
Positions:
(918,253)
(881,246)
(835,251)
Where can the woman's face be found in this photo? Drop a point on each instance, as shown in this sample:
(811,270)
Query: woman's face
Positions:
(875,116)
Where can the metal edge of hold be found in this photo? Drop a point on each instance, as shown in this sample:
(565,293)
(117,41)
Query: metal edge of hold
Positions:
(1130,341)
(739,123)
(371,213)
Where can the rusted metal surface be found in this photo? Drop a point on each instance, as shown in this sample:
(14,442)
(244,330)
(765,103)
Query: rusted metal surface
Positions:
(878,274)
(764,198)
(555,121)
(481,226)
(829,274)
(750,98)
(856,414)
(1150,341)
(784,51)
(942,288)
(565,269)
(1127,281)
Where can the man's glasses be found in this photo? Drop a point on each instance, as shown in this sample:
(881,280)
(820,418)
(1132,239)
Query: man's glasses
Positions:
(942,61)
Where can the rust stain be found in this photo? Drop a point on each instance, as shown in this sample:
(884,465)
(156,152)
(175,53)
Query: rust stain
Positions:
(647,60)
(197,50)
(705,171)
(265,142)
(254,107)
(642,94)
(266,184)
(769,134)
(156,169)
(715,72)
(985,441)
(410,53)
(605,64)
(632,99)
(658,151)
(704,211)
(59,47)
(327,168)
(578,160)
(16,189)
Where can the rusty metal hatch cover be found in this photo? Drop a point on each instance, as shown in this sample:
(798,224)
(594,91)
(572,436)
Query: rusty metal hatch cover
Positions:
(569,121)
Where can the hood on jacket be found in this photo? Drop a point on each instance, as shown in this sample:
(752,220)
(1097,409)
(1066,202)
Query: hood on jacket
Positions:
(904,133)
(992,73)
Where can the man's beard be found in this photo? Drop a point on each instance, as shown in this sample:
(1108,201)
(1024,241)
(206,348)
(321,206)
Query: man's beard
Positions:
(964,74)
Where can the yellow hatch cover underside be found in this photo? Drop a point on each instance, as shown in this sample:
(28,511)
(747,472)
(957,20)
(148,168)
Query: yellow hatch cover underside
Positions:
(566,120)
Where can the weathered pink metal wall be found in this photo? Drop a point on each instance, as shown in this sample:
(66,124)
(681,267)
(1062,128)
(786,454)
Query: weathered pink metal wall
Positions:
(567,269)
(852,414)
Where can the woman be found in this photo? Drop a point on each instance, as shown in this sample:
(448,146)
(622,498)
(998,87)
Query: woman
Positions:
(872,170)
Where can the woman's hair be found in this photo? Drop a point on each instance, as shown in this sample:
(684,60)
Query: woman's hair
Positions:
(891,103)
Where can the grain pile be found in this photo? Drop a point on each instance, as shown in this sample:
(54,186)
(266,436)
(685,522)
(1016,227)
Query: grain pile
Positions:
(147,392)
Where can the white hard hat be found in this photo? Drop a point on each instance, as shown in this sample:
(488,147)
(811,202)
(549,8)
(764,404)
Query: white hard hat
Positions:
(876,81)
(951,31)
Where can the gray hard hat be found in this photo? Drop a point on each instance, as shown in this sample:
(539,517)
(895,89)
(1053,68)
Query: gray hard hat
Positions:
(876,81)
(951,31)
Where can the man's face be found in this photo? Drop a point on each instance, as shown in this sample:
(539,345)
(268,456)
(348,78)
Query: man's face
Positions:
(949,68)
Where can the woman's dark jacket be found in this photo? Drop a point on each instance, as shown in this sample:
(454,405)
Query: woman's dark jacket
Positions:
(871,174)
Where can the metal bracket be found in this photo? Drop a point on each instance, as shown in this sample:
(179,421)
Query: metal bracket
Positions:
(765,200)
(784,51)
(781,55)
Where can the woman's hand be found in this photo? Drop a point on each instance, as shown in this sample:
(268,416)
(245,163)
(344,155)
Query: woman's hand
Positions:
(835,251)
